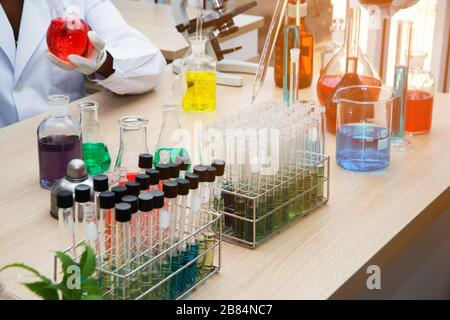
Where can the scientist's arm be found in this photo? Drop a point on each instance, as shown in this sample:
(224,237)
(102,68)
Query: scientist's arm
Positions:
(132,65)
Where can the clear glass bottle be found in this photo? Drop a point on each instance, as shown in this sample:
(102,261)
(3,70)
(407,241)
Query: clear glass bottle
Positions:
(337,41)
(170,148)
(296,35)
(59,141)
(420,96)
(67,33)
(133,142)
(349,67)
(199,79)
(95,151)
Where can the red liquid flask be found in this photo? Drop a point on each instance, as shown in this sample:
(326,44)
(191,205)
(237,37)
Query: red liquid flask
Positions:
(68,34)
(419,112)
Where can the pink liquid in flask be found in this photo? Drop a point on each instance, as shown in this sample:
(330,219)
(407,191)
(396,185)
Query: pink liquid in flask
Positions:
(69,35)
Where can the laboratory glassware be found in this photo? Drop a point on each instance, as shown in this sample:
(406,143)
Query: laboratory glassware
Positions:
(363,137)
(154,178)
(174,171)
(269,46)
(164,173)
(106,233)
(133,142)
(90,226)
(156,245)
(171,146)
(296,35)
(348,67)
(218,203)
(95,151)
(388,7)
(76,175)
(66,222)
(67,33)
(145,161)
(291,95)
(194,206)
(404,37)
(145,211)
(133,188)
(122,249)
(59,141)
(199,79)
(337,41)
(182,233)
(82,201)
(420,96)
(100,184)
(119,193)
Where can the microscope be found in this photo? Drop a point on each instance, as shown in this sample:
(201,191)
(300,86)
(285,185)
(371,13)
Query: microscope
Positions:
(217,24)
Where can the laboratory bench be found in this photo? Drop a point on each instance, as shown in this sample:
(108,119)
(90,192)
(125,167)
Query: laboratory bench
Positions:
(369,219)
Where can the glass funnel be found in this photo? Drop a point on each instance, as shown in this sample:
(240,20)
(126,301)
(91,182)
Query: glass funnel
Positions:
(388,7)
(420,97)
(133,142)
(349,67)
(363,136)
(171,146)
(95,152)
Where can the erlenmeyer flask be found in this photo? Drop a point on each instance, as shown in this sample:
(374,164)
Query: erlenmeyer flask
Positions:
(95,152)
(133,142)
(349,67)
(171,147)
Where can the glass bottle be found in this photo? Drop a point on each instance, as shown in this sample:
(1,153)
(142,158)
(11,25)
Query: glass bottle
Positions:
(296,35)
(337,41)
(404,32)
(170,148)
(420,96)
(95,152)
(59,141)
(67,33)
(133,142)
(348,68)
(199,79)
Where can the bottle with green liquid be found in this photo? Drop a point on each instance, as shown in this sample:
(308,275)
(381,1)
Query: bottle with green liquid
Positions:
(171,145)
(95,151)
(199,79)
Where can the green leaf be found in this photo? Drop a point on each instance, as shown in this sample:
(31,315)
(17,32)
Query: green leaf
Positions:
(66,260)
(44,289)
(91,287)
(25,267)
(88,262)
(92,297)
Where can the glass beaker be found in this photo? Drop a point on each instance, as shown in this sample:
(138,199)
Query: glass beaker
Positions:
(199,78)
(95,152)
(350,67)
(59,141)
(364,124)
(171,147)
(133,142)
(67,33)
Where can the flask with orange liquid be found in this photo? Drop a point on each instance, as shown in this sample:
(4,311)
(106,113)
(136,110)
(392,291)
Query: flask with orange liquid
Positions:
(302,38)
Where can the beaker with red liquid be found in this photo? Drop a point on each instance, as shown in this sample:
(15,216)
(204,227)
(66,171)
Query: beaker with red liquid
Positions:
(349,67)
(68,33)
(420,96)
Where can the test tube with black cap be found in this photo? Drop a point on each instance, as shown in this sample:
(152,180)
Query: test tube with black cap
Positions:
(155,234)
(145,201)
(64,201)
(194,203)
(133,188)
(218,203)
(164,173)
(145,161)
(122,248)
(174,171)
(101,183)
(154,178)
(82,199)
(144,180)
(119,193)
(183,192)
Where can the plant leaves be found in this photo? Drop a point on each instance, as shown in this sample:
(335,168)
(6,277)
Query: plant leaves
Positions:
(66,260)
(92,297)
(91,287)
(25,267)
(88,262)
(44,289)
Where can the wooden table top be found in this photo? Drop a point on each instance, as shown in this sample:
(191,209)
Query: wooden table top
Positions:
(157,23)
(369,219)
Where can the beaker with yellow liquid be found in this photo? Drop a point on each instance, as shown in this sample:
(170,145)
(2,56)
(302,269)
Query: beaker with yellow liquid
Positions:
(199,79)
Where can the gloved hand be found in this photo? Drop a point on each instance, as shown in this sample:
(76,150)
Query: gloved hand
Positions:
(88,65)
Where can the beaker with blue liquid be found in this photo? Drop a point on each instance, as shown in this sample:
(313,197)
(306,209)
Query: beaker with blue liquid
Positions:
(364,126)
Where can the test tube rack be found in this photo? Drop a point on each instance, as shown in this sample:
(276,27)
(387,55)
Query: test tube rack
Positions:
(253,216)
(126,283)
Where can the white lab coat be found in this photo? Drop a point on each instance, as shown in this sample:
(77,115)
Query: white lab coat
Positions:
(27,77)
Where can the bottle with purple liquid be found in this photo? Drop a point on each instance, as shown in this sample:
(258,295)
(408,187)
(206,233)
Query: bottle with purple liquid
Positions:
(59,141)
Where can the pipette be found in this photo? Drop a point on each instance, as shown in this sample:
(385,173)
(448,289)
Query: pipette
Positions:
(199,30)
(294,74)
(269,46)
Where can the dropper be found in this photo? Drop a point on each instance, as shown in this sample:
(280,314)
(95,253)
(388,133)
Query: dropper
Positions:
(199,30)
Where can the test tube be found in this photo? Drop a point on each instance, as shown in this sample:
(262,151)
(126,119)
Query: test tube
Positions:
(122,249)
(174,171)
(183,192)
(106,231)
(164,173)
(145,211)
(64,200)
(194,203)
(100,185)
(294,76)
(217,194)
(135,244)
(82,198)
(119,193)
(210,179)
(184,163)
(154,178)
(133,188)
(144,180)
(145,161)
(91,228)
(155,247)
